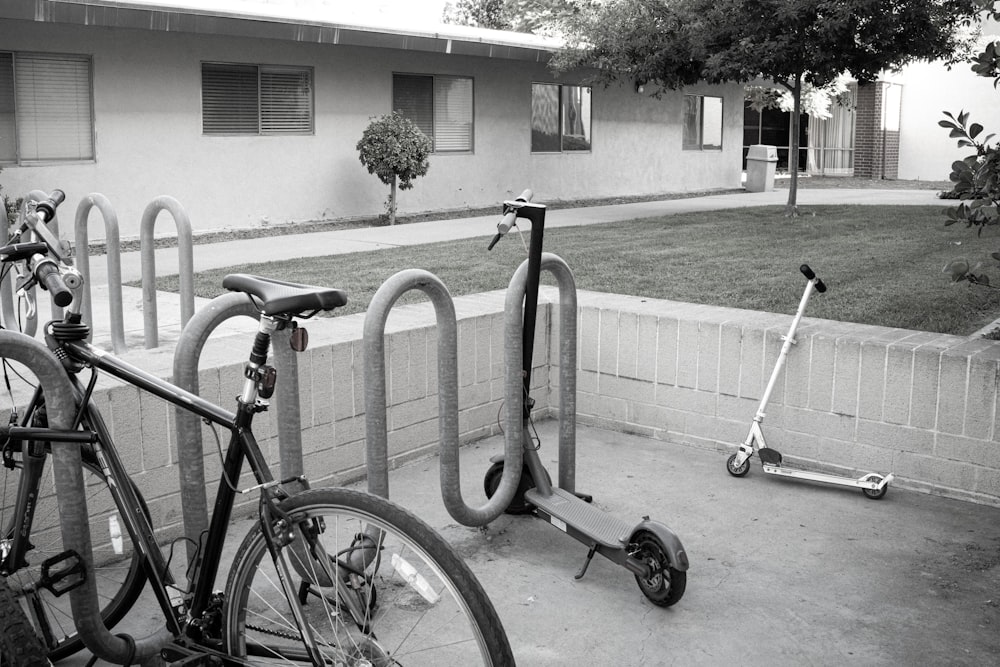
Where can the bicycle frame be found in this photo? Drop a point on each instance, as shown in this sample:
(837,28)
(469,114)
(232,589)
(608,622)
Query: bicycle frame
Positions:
(243,447)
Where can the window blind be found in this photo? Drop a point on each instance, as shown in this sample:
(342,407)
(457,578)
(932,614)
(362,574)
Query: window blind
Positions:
(229,99)
(54,109)
(413,97)
(452,113)
(285,101)
(8,144)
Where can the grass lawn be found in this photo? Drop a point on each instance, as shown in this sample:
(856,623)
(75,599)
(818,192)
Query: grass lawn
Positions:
(883,265)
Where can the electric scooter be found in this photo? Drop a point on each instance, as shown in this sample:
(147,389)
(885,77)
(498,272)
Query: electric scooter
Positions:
(873,485)
(648,549)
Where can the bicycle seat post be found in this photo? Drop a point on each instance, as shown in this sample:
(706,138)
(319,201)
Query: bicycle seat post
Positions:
(259,378)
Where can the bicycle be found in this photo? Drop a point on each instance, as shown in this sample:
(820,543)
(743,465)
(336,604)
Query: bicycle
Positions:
(326,576)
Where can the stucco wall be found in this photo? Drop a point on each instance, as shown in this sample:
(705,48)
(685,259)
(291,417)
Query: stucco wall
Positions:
(147,103)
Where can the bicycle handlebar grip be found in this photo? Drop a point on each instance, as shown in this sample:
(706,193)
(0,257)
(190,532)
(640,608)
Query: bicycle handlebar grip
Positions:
(494,241)
(49,206)
(526,195)
(50,278)
(808,273)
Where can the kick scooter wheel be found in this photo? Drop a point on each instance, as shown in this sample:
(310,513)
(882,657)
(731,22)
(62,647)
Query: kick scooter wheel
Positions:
(737,471)
(876,494)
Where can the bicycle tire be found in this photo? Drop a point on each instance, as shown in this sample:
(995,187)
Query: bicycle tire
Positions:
(120,577)
(19,646)
(412,588)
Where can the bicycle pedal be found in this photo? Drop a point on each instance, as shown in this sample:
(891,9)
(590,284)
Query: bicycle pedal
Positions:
(70,575)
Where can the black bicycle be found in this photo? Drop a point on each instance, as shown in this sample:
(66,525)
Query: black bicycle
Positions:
(326,576)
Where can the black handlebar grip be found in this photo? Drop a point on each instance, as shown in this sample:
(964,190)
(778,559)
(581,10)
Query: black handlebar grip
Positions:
(808,273)
(494,241)
(50,278)
(49,206)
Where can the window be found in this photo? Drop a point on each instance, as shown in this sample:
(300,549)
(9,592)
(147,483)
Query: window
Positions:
(560,118)
(702,123)
(46,108)
(441,106)
(256,99)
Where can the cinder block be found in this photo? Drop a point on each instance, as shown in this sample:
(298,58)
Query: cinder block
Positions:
(319,392)
(708,356)
(752,376)
(982,398)
(966,450)
(951,398)
(397,367)
(419,370)
(797,367)
(608,353)
(628,344)
(924,394)
(687,353)
(824,424)
(871,392)
(667,350)
(343,378)
(898,384)
(588,335)
(847,376)
(936,471)
(628,389)
(646,349)
(730,348)
(822,372)
(895,437)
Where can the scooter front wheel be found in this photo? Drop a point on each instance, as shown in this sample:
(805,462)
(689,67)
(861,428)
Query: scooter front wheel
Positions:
(665,585)
(737,470)
(876,494)
(518,505)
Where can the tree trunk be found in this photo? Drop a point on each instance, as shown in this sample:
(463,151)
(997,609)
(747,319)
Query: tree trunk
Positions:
(791,208)
(392,202)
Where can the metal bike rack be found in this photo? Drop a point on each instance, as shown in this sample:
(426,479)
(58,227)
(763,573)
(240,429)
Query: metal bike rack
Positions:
(190,448)
(375,402)
(113,245)
(513,350)
(148,260)
(67,466)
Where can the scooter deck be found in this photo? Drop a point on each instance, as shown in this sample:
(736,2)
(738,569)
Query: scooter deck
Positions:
(563,508)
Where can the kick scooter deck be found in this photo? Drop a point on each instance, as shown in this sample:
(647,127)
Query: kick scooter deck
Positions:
(873,485)
(563,508)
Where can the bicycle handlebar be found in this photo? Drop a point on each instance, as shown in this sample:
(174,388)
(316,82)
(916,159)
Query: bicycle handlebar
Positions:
(510,216)
(49,277)
(808,273)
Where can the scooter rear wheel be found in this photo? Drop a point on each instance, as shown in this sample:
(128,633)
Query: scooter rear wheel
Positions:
(665,585)
(737,470)
(876,494)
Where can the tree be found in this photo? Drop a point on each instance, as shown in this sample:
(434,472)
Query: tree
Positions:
(531,16)
(394,149)
(794,43)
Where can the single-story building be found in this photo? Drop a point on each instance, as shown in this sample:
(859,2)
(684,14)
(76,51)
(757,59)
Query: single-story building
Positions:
(249,113)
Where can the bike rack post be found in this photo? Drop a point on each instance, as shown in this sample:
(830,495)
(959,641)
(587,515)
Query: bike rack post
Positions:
(190,451)
(513,383)
(148,260)
(67,466)
(376,435)
(112,242)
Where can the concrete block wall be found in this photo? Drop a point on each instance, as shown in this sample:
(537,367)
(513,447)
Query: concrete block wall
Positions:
(852,398)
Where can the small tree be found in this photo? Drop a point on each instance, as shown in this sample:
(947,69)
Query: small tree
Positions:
(394,149)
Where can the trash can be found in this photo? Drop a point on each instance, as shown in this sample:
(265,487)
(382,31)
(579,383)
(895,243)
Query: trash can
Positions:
(761,162)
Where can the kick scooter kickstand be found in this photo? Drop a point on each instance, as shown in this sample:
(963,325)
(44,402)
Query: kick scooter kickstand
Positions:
(872,485)
(586,562)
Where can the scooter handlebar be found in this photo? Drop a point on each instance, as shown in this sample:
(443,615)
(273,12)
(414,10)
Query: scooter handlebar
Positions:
(808,273)
(510,217)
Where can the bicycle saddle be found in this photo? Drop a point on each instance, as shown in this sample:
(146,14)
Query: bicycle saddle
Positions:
(278,297)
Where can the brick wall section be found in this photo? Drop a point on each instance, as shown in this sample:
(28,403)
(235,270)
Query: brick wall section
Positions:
(876,149)
(852,398)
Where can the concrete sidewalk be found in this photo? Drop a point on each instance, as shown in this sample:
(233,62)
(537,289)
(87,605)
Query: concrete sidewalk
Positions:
(318,244)
(782,572)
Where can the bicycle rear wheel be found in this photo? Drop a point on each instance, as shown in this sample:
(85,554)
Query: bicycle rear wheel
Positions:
(402,596)
(117,566)
(19,646)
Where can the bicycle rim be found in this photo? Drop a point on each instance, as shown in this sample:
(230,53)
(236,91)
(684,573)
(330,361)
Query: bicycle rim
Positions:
(117,566)
(419,603)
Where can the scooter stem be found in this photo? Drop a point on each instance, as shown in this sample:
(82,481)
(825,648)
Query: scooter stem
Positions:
(789,339)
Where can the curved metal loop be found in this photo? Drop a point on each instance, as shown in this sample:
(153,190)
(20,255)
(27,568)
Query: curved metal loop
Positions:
(513,354)
(113,245)
(375,400)
(67,468)
(148,259)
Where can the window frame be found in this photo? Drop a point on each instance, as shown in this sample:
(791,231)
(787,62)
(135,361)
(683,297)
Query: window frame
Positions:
(699,143)
(264,122)
(435,106)
(82,125)
(563,91)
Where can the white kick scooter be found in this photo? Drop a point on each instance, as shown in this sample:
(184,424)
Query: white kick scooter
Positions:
(871,484)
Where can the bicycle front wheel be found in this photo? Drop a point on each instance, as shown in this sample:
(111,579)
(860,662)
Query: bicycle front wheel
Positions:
(19,647)
(390,592)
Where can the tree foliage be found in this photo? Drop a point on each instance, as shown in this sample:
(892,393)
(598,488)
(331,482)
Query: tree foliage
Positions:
(794,43)
(531,16)
(393,148)
(976,177)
